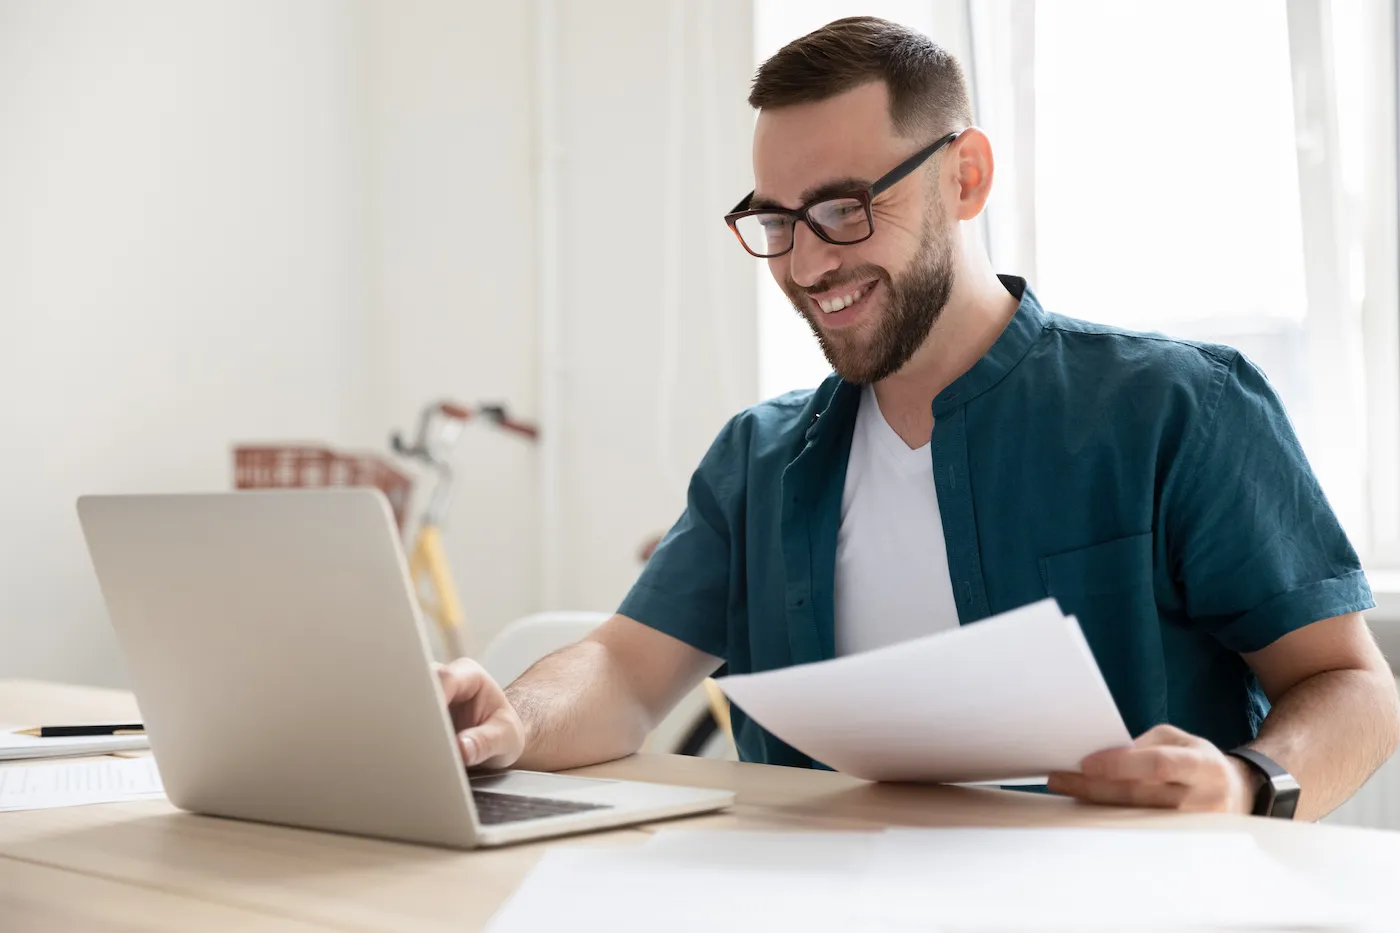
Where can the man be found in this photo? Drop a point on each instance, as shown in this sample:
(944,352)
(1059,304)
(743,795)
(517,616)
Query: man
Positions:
(972,454)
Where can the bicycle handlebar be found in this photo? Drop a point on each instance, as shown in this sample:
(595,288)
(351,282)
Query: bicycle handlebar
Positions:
(436,437)
(453,410)
(432,449)
(497,414)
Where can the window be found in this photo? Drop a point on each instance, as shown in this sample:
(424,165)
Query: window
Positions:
(1216,171)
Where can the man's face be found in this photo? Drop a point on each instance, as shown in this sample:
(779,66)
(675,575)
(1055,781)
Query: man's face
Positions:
(900,278)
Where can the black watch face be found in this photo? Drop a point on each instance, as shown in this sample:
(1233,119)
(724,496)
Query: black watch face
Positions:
(1285,803)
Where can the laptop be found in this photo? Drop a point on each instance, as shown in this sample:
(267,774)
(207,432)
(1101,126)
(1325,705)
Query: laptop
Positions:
(284,675)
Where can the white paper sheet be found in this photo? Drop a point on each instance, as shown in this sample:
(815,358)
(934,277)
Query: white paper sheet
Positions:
(946,881)
(1083,880)
(1017,695)
(15,747)
(696,883)
(77,783)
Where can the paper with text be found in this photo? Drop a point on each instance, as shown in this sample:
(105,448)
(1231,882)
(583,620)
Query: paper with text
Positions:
(77,783)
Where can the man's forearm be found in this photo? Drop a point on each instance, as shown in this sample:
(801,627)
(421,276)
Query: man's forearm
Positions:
(1332,731)
(577,710)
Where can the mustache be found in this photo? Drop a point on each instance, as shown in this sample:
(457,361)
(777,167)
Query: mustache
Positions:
(837,279)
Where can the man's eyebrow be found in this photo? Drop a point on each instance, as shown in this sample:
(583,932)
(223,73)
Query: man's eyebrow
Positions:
(824,190)
(758,203)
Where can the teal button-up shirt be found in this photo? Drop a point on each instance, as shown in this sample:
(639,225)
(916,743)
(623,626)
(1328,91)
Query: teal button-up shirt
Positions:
(1153,486)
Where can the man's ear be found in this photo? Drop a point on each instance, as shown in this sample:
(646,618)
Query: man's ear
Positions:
(968,173)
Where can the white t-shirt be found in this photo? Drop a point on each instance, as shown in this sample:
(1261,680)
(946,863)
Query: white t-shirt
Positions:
(892,579)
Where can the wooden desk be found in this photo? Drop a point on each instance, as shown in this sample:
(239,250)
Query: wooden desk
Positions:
(147,866)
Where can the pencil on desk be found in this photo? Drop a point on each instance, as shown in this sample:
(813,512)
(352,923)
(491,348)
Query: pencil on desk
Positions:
(92,729)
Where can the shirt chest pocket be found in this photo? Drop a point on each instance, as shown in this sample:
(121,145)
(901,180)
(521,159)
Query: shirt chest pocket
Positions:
(1100,569)
(1108,588)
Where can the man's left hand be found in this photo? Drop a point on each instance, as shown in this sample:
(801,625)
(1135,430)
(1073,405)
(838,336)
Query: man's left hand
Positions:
(1166,768)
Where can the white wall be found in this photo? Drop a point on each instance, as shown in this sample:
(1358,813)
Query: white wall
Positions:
(641,106)
(180,265)
(656,323)
(255,220)
(451,183)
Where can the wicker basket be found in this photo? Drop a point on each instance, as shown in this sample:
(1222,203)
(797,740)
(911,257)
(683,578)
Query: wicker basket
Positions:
(307,467)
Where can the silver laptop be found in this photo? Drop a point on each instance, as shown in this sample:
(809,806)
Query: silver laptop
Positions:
(283,674)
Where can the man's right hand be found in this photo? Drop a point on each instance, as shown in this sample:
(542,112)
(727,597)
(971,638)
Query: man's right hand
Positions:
(489,731)
(625,675)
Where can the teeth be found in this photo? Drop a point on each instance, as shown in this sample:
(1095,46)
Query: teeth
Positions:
(845,301)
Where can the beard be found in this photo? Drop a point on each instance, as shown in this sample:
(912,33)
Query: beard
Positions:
(914,302)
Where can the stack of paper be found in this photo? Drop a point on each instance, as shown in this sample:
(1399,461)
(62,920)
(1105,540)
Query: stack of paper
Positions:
(954,879)
(1015,696)
(76,783)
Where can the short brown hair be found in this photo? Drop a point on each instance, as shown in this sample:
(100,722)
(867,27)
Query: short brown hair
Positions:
(927,92)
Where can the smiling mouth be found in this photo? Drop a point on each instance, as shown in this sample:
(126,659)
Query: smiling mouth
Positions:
(841,302)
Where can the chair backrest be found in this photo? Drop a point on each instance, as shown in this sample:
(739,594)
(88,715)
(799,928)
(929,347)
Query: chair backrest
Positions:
(525,641)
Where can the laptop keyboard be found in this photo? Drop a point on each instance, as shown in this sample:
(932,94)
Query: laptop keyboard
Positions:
(494,809)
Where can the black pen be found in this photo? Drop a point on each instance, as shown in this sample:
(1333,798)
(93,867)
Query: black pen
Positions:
(71,732)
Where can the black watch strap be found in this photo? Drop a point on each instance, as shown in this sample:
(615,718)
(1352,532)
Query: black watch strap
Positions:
(1278,793)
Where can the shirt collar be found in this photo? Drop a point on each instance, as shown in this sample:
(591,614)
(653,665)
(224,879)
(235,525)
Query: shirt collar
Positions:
(835,403)
(1010,348)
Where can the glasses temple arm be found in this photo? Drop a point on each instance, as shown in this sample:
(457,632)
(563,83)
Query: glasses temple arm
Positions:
(903,169)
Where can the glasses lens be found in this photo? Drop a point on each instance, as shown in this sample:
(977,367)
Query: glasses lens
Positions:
(766,234)
(842,220)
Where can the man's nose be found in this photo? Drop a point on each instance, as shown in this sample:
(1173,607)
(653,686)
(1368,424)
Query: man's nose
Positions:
(812,257)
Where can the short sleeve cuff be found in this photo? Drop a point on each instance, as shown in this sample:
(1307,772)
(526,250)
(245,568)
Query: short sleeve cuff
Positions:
(1296,608)
(671,617)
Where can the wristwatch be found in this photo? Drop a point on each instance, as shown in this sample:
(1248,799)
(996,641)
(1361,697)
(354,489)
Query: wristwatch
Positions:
(1278,790)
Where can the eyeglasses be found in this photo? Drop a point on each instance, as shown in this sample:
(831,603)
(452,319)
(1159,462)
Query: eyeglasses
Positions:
(840,219)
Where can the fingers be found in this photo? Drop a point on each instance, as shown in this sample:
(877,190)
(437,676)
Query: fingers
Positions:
(489,733)
(1165,767)
(1162,753)
(461,680)
(1165,734)
(1119,793)
(1161,764)
(493,744)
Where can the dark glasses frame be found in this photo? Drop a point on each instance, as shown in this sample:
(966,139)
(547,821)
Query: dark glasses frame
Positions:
(864,195)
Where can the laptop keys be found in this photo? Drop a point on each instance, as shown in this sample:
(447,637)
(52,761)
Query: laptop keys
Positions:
(493,809)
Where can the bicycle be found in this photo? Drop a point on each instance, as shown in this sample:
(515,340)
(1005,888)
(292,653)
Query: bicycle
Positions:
(439,426)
